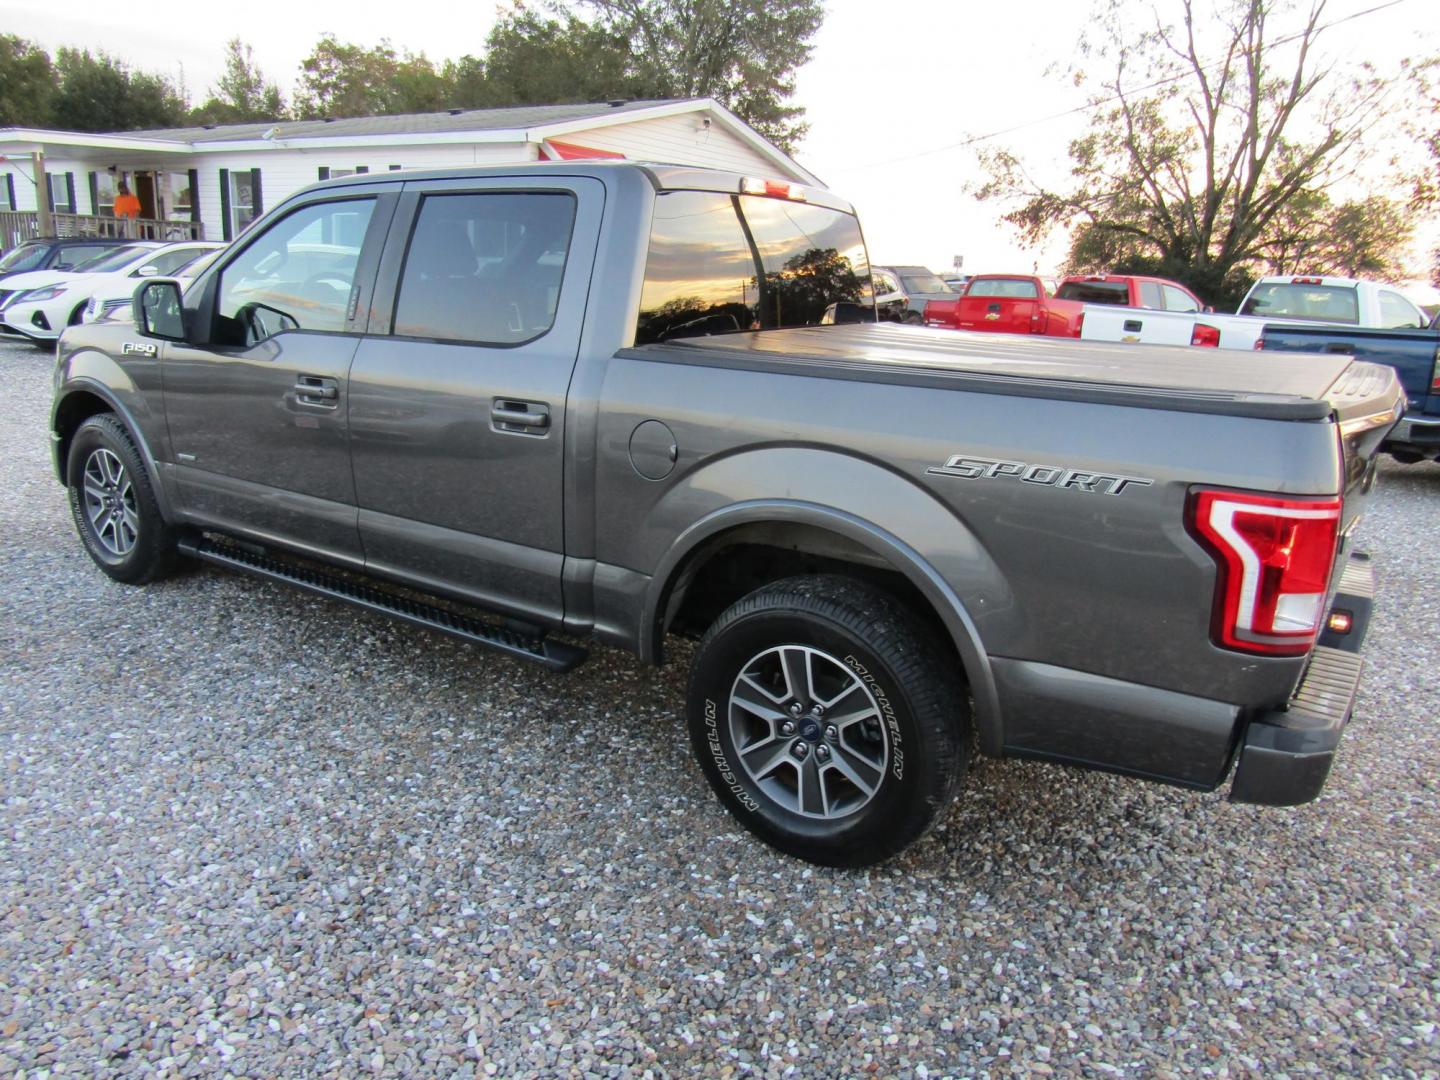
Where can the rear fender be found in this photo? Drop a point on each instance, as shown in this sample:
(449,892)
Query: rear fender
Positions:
(882,511)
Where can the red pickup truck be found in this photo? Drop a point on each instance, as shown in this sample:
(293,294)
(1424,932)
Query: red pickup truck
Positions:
(1020,304)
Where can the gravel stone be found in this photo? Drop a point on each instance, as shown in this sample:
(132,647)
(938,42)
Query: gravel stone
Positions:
(248,832)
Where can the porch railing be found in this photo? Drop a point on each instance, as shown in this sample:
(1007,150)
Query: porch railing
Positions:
(18,226)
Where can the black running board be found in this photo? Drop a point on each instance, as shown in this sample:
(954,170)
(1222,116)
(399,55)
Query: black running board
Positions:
(555,655)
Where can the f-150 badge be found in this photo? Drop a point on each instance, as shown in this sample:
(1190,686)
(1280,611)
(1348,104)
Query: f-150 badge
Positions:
(1056,476)
(136,348)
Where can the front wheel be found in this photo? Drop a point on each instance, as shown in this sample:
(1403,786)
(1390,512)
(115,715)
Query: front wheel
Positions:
(827,721)
(113,504)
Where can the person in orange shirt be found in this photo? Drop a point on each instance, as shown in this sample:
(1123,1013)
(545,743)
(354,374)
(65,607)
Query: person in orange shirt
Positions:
(127,208)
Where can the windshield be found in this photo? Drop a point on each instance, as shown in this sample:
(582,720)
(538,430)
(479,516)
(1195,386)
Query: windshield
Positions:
(113,259)
(924,283)
(1017,288)
(1095,292)
(1323,303)
(720,263)
(24,257)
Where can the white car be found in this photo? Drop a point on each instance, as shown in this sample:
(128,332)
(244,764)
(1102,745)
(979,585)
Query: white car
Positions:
(110,302)
(44,302)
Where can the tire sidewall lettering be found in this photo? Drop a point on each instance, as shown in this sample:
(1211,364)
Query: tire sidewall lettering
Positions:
(887,710)
(722,763)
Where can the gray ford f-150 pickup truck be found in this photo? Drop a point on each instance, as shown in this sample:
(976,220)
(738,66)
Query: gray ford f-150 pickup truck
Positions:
(533,405)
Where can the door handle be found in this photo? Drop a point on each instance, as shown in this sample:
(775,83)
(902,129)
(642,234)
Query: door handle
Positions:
(314,390)
(519,416)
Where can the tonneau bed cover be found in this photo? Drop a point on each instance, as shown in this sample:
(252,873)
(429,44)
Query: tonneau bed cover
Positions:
(1276,386)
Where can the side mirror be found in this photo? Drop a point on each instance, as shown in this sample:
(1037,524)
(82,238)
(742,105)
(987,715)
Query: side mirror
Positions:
(148,271)
(1209,309)
(158,310)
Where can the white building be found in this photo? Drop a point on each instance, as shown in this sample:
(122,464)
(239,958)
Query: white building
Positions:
(214,180)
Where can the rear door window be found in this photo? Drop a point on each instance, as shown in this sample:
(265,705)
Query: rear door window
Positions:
(485,267)
(720,263)
(1150,295)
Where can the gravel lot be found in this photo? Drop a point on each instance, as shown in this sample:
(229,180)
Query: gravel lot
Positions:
(249,832)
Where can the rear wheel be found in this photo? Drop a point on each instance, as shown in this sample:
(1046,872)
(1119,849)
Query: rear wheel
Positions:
(914,318)
(826,720)
(114,506)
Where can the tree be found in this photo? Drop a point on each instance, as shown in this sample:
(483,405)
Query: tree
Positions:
(1213,146)
(340,79)
(532,59)
(27,83)
(742,53)
(1425,197)
(243,94)
(101,93)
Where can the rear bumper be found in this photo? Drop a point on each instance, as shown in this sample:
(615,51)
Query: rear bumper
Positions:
(1421,432)
(1286,754)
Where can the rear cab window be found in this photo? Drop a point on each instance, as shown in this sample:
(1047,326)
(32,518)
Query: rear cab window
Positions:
(1011,288)
(723,263)
(1296,300)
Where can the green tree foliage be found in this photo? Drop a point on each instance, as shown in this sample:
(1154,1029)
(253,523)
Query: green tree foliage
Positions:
(100,93)
(1425,198)
(556,58)
(742,53)
(1216,148)
(341,79)
(243,94)
(27,83)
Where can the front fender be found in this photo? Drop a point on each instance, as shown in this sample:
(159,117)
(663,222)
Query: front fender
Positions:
(84,370)
(881,510)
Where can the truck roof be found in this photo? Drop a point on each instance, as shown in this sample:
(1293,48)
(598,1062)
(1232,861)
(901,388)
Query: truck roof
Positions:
(662,176)
(1294,387)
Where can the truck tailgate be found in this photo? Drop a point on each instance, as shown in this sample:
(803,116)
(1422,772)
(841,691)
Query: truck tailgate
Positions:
(1002,314)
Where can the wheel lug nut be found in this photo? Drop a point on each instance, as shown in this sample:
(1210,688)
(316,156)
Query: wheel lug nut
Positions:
(787,728)
(795,709)
(822,752)
(832,732)
(818,710)
(800,749)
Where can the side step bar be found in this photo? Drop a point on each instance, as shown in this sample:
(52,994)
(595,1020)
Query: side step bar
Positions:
(555,655)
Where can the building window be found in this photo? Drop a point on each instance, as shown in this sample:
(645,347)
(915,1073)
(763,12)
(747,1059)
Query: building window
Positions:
(242,199)
(7,191)
(62,196)
(176,196)
(105,186)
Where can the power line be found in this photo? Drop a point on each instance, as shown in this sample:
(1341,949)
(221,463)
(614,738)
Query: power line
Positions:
(972,140)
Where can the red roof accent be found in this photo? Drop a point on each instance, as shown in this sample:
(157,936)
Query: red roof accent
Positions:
(564,151)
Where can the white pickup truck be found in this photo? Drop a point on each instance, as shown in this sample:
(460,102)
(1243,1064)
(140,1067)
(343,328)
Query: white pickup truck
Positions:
(1271,300)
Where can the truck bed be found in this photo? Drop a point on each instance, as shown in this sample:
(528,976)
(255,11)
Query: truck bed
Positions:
(1160,377)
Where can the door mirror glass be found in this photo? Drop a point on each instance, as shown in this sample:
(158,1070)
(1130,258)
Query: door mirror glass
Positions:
(158,311)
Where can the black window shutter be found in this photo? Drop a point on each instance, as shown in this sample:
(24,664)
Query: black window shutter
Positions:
(95,193)
(361,169)
(257,200)
(324,172)
(227,231)
(394,168)
(70,189)
(10,188)
(50,190)
(194,194)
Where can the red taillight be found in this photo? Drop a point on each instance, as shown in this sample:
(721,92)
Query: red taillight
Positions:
(1259,343)
(1079,323)
(1206,336)
(1435,373)
(1273,558)
(1305,281)
(775,189)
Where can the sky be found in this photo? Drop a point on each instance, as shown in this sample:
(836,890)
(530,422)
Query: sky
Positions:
(890,92)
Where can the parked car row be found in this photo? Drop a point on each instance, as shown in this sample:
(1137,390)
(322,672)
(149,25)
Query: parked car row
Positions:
(82,280)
